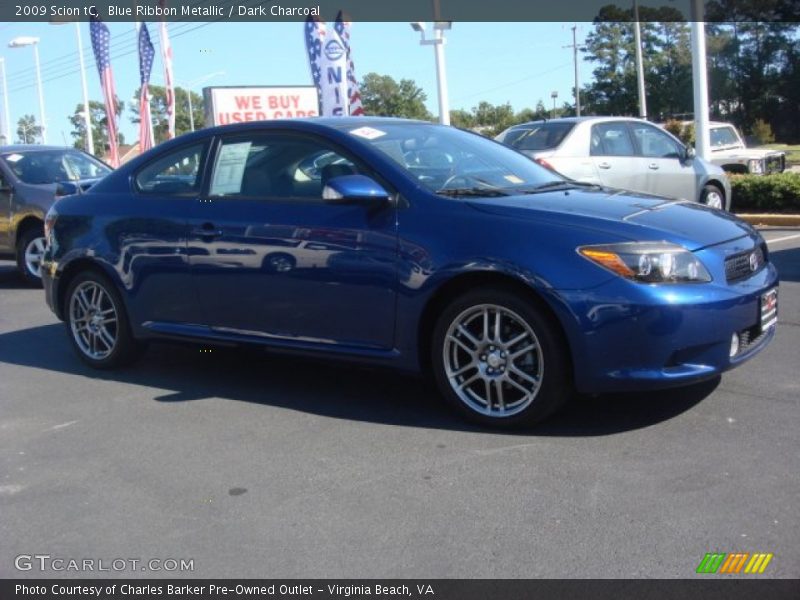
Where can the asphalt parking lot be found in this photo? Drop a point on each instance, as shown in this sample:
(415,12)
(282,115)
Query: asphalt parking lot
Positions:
(261,466)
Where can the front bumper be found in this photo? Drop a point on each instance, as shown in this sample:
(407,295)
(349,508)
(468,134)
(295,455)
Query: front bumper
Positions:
(627,336)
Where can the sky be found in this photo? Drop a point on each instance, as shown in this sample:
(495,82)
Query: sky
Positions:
(520,63)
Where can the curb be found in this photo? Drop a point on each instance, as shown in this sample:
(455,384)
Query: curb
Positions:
(773,219)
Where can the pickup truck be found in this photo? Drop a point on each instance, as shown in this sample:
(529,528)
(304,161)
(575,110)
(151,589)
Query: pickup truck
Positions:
(32,177)
(729,151)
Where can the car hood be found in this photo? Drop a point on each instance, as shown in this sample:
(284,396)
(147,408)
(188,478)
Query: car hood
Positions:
(637,217)
(740,152)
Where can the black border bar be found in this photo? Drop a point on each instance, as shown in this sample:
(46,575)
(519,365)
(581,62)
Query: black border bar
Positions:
(711,588)
(395,10)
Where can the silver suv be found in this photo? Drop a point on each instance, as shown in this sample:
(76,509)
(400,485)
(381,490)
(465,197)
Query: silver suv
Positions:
(624,153)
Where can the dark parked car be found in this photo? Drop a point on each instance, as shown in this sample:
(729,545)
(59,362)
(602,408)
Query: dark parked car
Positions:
(439,250)
(29,180)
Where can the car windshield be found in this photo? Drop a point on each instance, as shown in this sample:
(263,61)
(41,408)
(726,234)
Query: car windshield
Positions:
(724,136)
(454,163)
(536,136)
(52,166)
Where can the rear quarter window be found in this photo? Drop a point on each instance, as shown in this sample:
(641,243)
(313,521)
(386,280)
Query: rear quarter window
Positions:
(545,136)
(175,173)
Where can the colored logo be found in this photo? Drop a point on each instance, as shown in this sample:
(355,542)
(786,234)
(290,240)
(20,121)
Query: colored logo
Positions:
(334,50)
(734,563)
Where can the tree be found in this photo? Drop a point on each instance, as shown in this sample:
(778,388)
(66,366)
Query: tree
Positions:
(158,111)
(385,97)
(490,119)
(99,122)
(28,130)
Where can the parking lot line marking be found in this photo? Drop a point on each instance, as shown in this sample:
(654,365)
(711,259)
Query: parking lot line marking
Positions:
(783,239)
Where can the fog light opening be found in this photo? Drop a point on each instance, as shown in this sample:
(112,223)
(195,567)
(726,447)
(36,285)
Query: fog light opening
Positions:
(734,345)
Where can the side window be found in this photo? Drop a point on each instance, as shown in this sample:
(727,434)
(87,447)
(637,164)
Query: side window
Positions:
(611,139)
(276,167)
(176,174)
(654,143)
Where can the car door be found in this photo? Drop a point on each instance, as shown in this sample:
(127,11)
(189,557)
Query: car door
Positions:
(271,258)
(5,211)
(666,173)
(614,156)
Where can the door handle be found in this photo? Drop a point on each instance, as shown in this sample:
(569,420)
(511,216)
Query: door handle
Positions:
(207,230)
(653,166)
(604,165)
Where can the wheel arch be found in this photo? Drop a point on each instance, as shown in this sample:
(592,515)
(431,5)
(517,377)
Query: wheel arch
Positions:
(458,285)
(28,222)
(72,270)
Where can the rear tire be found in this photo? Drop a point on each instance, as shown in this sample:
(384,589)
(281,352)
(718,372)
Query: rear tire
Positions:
(97,324)
(499,361)
(713,196)
(30,251)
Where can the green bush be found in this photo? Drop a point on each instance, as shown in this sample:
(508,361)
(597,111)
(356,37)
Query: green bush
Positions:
(779,192)
(762,131)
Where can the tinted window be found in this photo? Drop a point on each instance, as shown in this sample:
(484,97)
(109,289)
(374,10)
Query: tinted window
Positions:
(611,139)
(176,173)
(654,143)
(276,166)
(724,136)
(52,166)
(544,136)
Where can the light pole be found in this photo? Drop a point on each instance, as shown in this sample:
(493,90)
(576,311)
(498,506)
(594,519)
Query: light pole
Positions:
(637,34)
(87,115)
(554,95)
(438,41)
(575,49)
(21,42)
(7,111)
(188,87)
(702,135)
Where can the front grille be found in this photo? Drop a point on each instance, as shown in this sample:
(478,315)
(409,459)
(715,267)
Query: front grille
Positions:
(776,164)
(740,266)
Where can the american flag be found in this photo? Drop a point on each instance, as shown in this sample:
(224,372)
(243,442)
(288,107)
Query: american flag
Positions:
(102,57)
(169,86)
(146,54)
(342,27)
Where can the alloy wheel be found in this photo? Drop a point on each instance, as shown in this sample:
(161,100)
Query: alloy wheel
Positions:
(493,360)
(34,252)
(93,320)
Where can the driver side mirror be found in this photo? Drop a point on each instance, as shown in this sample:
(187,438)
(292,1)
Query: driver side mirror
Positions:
(354,189)
(67,188)
(689,154)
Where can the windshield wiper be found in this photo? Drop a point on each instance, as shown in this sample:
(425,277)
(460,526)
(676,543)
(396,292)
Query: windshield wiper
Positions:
(558,185)
(473,191)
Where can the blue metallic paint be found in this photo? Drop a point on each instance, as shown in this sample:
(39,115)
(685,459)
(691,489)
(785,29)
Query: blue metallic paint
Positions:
(358,281)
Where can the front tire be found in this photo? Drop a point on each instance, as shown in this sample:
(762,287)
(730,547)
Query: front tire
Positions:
(97,324)
(713,196)
(499,361)
(30,251)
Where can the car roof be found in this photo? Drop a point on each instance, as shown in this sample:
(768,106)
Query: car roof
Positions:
(34,148)
(328,122)
(578,120)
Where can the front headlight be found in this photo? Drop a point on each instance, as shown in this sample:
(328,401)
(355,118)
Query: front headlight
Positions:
(756,166)
(648,262)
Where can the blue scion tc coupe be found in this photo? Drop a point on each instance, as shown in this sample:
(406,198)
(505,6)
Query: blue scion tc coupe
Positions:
(412,245)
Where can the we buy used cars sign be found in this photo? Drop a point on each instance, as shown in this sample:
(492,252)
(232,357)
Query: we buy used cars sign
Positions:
(242,104)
